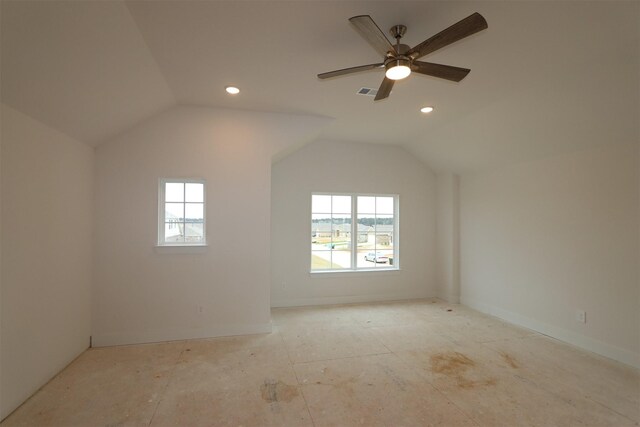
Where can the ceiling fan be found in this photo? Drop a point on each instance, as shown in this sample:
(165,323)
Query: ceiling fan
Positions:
(400,60)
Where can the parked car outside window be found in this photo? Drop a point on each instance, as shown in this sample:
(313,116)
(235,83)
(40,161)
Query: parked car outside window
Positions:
(377,257)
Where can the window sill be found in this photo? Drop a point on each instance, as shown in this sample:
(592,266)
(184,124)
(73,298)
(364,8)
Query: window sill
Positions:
(181,249)
(352,273)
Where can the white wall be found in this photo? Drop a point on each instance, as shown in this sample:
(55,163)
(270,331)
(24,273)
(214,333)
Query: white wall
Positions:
(543,239)
(47,200)
(143,294)
(448,237)
(329,166)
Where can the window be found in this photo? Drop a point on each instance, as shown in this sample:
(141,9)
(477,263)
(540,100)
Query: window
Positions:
(181,217)
(354,232)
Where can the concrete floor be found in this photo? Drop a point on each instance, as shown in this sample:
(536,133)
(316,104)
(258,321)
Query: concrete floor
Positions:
(406,363)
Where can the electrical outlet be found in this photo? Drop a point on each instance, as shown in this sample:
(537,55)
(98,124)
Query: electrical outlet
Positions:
(581,316)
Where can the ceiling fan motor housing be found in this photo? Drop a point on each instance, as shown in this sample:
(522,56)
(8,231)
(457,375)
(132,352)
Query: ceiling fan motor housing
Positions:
(396,61)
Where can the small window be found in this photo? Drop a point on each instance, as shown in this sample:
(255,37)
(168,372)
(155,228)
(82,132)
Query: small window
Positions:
(354,232)
(181,217)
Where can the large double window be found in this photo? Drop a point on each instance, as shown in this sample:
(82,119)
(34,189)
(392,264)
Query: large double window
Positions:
(354,232)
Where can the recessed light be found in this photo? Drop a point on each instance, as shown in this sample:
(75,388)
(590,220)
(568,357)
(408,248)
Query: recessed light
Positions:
(232,90)
(426,109)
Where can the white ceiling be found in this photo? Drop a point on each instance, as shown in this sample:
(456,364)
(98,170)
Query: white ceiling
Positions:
(546,77)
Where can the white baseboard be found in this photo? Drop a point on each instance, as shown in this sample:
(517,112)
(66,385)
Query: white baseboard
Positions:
(143,337)
(596,346)
(348,299)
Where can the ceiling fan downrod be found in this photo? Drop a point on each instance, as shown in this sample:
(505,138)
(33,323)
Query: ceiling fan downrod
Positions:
(397,31)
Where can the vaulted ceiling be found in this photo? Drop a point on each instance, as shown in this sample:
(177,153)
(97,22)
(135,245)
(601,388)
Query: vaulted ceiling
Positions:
(546,77)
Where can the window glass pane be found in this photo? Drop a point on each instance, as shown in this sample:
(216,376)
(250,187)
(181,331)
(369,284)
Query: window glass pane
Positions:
(384,240)
(320,260)
(173,212)
(314,242)
(194,192)
(366,204)
(341,204)
(366,232)
(372,259)
(174,192)
(384,205)
(319,218)
(382,220)
(321,229)
(341,232)
(340,259)
(194,232)
(173,232)
(366,220)
(383,258)
(364,258)
(194,212)
(320,204)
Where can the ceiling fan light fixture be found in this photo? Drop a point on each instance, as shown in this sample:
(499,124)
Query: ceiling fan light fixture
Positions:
(397,69)
(232,90)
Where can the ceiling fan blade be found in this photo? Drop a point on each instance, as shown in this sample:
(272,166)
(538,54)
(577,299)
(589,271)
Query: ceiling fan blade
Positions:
(455,74)
(344,71)
(385,89)
(372,33)
(469,25)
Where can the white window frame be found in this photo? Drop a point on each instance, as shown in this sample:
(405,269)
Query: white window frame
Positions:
(354,235)
(161,213)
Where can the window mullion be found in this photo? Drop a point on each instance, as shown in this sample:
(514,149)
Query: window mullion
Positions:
(354,232)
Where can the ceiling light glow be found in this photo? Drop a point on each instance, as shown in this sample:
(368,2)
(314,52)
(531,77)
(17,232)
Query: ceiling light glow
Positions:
(232,90)
(398,69)
(426,109)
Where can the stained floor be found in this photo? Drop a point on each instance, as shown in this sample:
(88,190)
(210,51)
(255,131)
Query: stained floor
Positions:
(417,363)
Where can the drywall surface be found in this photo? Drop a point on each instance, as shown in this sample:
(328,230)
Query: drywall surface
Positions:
(143,293)
(542,240)
(47,212)
(340,167)
(1,399)
(448,237)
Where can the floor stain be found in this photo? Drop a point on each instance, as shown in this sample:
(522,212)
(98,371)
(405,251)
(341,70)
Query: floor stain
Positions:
(511,361)
(465,383)
(451,363)
(455,365)
(277,391)
(344,385)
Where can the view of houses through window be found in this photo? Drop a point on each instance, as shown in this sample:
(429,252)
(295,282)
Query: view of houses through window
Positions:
(181,213)
(353,232)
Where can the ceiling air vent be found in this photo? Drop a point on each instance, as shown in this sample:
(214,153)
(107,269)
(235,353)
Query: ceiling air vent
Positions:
(367,91)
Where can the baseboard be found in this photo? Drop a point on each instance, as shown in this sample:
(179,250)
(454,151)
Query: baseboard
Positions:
(348,299)
(144,337)
(596,346)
